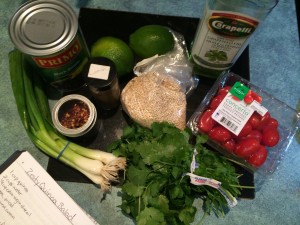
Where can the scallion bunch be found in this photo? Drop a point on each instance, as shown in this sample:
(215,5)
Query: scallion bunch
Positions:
(33,107)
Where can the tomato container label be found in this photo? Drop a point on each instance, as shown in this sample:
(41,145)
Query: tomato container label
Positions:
(234,111)
(239,90)
(258,108)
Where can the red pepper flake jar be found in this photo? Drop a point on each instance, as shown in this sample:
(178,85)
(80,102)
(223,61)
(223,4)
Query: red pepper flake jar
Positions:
(48,33)
(75,116)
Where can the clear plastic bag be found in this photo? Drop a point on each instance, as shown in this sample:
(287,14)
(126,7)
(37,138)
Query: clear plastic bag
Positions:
(174,63)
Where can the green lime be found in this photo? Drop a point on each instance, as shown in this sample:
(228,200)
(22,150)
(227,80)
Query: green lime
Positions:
(117,51)
(150,40)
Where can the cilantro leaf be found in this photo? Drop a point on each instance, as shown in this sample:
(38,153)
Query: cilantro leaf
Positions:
(137,176)
(155,190)
(160,202)
(187,215)
(132,189)
(150,216)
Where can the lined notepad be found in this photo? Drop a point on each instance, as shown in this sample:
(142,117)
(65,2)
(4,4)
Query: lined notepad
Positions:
(29,195)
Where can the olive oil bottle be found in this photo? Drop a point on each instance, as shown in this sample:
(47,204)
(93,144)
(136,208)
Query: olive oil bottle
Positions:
(224,32)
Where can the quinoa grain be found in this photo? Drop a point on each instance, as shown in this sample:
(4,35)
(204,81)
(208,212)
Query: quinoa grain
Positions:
(155,98)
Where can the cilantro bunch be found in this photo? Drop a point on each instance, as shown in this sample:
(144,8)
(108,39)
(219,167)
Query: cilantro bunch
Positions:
(155,190)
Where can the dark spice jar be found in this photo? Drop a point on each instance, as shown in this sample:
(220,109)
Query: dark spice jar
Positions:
(101,78)
(75,116)
(48,33)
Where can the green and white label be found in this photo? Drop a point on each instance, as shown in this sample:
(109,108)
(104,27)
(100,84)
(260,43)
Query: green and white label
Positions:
(239,90)
(232,113)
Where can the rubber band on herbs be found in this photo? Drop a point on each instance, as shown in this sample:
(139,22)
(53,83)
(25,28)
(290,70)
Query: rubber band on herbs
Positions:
(199,180)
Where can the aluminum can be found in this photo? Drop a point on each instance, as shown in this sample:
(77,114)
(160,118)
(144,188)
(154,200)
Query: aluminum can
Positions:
(48,33)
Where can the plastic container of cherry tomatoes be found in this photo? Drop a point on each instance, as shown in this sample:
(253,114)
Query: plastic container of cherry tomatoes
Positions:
(246,124)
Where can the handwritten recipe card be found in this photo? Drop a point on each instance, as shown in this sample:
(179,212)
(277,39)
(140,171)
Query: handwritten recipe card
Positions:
(29,195)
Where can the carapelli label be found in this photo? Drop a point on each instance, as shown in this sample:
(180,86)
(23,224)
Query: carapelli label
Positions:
(221,37)
(233,25)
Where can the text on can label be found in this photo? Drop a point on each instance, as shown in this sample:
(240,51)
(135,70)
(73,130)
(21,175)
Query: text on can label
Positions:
(61,59)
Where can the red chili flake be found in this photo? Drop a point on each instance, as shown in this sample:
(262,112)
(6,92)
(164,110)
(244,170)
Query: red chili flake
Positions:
(75,115)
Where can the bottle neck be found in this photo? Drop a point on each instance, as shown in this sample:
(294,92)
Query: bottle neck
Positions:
(258,9)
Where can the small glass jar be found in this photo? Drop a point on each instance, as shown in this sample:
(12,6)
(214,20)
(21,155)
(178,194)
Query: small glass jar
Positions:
(102,80)
(75,117)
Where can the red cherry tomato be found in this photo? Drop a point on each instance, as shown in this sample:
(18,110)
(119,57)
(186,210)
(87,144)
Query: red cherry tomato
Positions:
(236,98)
(270,136)
(259,157)
(255,120)
(255,134)
(272,122)
(266,117)
(246,130)
(246,147)
(229,145)
(256,97)
(205,121)
(264,121)
(219,134)
(248,99)
(215,102)
(224,90)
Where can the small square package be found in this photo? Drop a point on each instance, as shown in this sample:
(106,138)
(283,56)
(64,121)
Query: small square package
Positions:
(246,124)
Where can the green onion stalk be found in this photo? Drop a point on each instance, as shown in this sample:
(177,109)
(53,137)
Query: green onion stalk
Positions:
(99,166)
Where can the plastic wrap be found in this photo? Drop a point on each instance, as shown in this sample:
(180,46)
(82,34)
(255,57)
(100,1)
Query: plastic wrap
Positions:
(175,64)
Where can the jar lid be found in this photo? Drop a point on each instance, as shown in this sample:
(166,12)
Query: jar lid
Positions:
(65,103)
(100,73)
